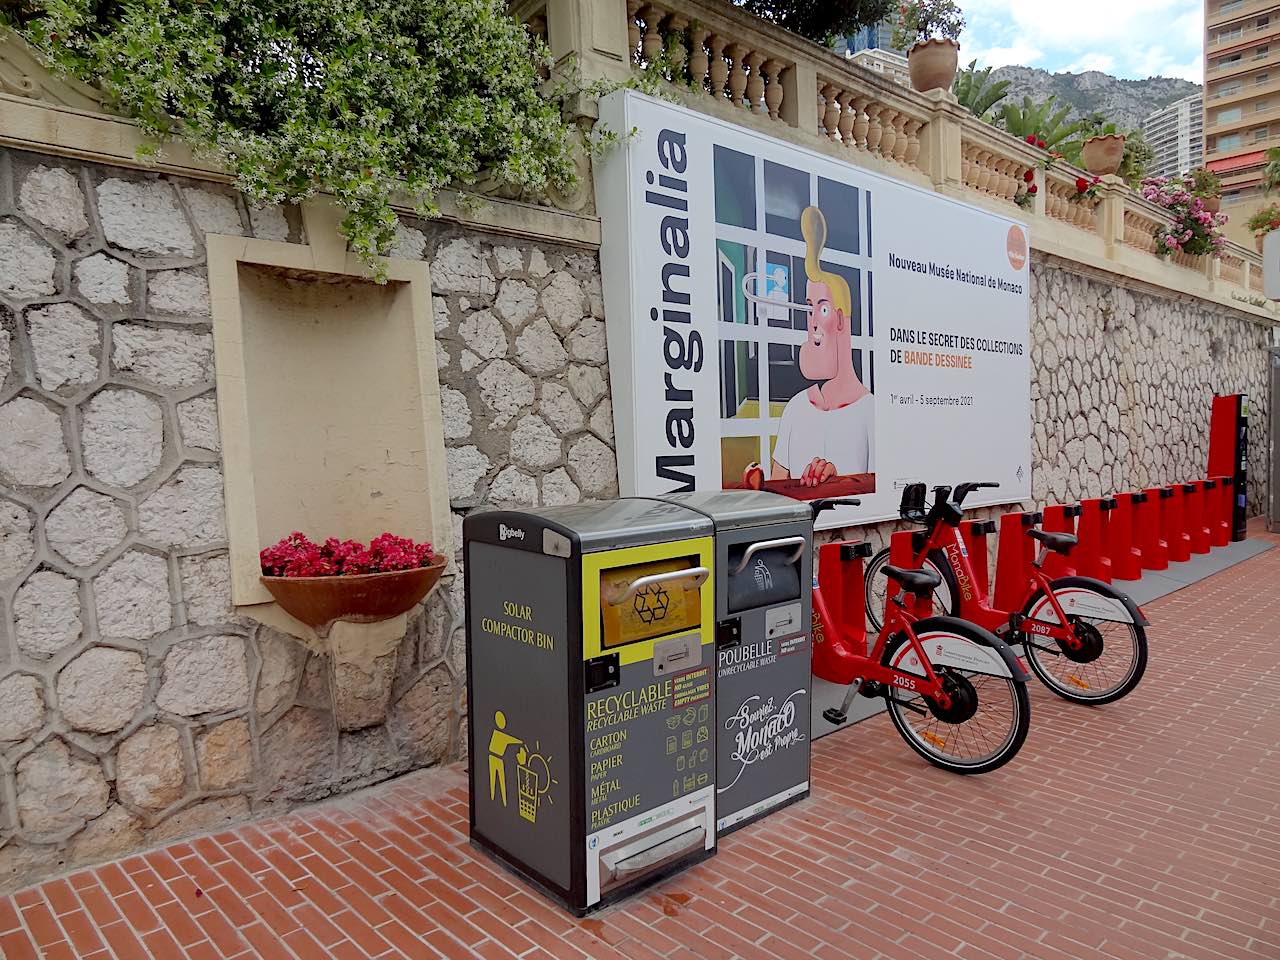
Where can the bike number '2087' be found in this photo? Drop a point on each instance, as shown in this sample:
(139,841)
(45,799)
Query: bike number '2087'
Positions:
(948,650)
(1081,603)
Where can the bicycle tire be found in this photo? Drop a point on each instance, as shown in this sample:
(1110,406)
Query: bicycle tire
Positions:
(924,743)
(1072,688)
(945,598)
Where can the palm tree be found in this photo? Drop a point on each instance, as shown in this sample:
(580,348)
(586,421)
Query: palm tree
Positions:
(1039,120)
(1271,172)
(975,90)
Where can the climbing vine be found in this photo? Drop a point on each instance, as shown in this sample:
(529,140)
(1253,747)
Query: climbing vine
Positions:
(360,99)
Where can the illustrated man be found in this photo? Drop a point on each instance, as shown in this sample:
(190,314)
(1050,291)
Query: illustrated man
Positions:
(498,744)
(827,430)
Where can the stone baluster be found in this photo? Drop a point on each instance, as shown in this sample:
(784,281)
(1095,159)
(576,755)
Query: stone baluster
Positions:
(847,119)
(1008,186)
(755,82)
(890,134)
(984,171)
(913,142)
(773,93)
(738,76)
(719,69)
(966,165)
(822,110)
(860,122)
(874,129)
(633,28)
(651,44)
(831,115)
(900,138)
(698,61)
(679,50)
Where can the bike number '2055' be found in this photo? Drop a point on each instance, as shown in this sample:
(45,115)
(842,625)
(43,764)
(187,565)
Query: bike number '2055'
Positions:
(1081,603)
(948,650)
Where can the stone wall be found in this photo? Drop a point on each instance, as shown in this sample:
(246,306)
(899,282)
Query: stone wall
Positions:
(135,706)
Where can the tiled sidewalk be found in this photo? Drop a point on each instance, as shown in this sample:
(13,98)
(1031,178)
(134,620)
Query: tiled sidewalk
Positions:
(1146,829)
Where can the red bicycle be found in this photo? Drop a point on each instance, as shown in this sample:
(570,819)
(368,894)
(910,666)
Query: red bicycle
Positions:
(954,691)
(1084,639)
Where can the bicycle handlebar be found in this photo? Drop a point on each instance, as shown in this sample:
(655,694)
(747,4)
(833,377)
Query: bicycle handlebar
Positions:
(964,489)
(830,503)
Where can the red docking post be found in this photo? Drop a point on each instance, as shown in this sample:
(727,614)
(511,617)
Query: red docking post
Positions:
(1090,555)
(1150,524)
(1175,526)
(975,533)
(1193,511)
(1223,504)
(840,636)
(1060,518)
(1015,552)
(904,547)
(1122,539)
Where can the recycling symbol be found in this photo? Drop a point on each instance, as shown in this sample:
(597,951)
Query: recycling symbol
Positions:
(652,604)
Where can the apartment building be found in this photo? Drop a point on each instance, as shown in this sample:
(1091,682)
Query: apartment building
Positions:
(1176,136)
(1241,101)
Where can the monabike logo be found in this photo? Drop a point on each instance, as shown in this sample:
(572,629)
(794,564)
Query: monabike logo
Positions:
(962,578)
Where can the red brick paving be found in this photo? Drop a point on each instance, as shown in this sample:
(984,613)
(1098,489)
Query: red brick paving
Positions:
(1146,829)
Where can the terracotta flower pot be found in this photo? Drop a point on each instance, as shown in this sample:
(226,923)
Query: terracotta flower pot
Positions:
(1212,204)
(1102,155)
(366,598)
(932,64)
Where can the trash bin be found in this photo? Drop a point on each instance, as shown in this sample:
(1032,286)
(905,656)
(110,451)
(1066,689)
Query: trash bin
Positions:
(590,694)
(764,679)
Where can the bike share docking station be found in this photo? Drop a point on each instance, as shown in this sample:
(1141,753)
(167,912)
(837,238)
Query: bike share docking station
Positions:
(605,752)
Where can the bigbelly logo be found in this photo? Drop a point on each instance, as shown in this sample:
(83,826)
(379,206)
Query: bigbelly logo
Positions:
(962,578)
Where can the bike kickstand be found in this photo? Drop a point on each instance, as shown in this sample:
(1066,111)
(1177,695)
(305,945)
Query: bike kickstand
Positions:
(840,716)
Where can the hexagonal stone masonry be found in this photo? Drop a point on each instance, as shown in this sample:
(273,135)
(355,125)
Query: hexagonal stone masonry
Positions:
(114,833)
(206,589)
(198,418)
(513,486)
(224,755)
(559,489)
(592,462)
(26,262)
(588,384)
(17,539)
(483,334)
(587,342)
(466,466)
(460,267)
(563,302)
(150,770)
(85,526)
(204,675)
(170,358)
(533,443)
(506,390)
(66,343)
(179,292)
(282,661)
(46,613)
(269,223)
(186,511)
(58,791)
(132,597)
(144,217)
(52,197)
(32,451)
(539,350)
(102,689)
(409,244)
(122,436)
(213,212)
(516,301)
(456,413)
(21,706)
(560,409)
(6,357)
(102,279)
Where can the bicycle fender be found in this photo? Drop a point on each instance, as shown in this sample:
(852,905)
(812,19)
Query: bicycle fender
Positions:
(1088,598)
(945,648)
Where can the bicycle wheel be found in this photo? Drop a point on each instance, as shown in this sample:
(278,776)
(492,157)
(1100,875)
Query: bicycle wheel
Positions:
(876,587)
(986,723)
(1110,662)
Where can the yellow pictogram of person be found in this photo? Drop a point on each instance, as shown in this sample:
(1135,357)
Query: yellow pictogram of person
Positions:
(498,744)
(827,430)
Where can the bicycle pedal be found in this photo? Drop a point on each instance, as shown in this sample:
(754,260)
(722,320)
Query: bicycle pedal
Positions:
(832,715)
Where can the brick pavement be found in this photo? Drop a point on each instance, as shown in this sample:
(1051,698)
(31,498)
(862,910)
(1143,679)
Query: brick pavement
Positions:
(1146,829)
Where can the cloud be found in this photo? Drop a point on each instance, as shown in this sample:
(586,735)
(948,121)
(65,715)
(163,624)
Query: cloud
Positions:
(1089,35)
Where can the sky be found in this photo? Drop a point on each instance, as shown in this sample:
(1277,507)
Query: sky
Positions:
(1134,39)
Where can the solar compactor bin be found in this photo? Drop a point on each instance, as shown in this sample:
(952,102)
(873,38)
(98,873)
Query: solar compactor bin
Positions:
(764,680)
(591,694)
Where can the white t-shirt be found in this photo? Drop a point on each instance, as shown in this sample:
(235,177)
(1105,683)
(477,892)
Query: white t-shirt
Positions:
(845,436)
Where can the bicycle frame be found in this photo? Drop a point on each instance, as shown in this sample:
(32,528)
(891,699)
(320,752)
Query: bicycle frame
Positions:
(869,668)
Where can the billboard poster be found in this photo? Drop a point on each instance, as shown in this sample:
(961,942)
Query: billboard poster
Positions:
(781,320)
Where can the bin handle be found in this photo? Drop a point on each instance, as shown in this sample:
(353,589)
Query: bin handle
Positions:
(697,574)
(796,541)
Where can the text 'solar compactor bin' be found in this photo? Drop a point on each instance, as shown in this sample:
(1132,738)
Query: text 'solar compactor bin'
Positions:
(591,694)
(763,577)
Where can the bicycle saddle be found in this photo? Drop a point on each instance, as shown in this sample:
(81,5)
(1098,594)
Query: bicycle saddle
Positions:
(1057,542)
(920,583)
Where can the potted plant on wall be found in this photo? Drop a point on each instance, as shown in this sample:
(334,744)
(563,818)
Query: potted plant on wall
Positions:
(928,31)
(1208,188)
(1263,222)
(1194,230)
(1103,150)
(345,580)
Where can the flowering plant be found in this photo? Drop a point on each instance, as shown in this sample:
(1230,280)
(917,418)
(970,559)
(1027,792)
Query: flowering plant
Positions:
(298,556)
(1194,230)
(1026,195)
(1265,220)
(1086,189)
(923,19)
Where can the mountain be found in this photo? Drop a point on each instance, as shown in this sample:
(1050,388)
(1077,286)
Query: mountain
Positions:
(1124,102)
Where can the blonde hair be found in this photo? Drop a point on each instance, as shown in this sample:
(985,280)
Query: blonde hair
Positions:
(813,225)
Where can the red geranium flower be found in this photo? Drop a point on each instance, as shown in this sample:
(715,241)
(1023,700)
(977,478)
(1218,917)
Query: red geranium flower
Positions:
(1033,189)
(1041,144)
(1029,176)
(1031,138)
(1081,184)
(298,556)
